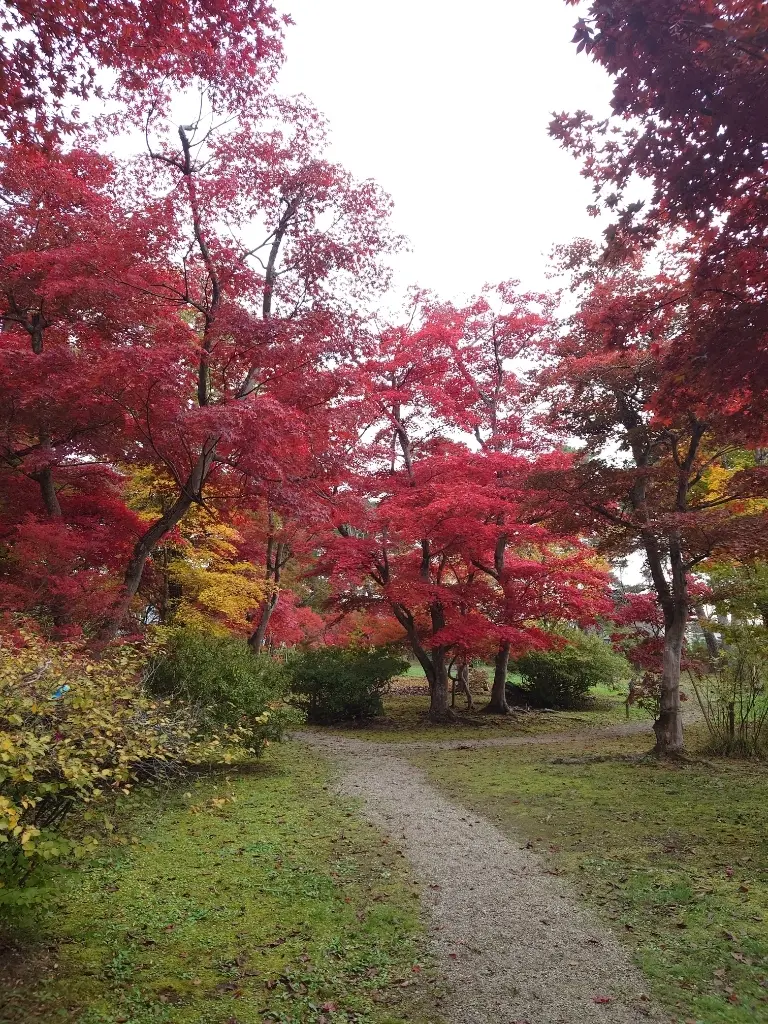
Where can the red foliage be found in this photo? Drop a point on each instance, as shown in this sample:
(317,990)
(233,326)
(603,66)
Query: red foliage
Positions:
(439,533)
(54,55)
(640,481)
(690,116)
(147,321)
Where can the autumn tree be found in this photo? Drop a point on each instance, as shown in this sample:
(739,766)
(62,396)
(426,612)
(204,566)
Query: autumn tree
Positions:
(169,310)
(441,531)
(640,481)
(689,118)
(53,58)
(75,268)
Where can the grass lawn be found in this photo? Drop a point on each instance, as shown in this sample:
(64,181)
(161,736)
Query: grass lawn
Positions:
(405,719)
(673,856)
(256,896)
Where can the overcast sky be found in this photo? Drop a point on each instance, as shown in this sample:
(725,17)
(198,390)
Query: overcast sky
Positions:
(446,105)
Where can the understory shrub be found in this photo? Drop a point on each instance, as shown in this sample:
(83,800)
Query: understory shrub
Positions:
(562,676)
(226,684)
(75,730)
(334,684)
(733,694)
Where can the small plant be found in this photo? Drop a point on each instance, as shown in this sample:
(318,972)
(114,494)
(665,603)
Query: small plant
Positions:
(733,694)
(75,729)
(562,676)
(333,684)
(225,683)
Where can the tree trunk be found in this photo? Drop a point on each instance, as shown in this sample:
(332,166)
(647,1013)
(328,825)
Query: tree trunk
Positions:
(191,492)
(257,638)
(462,678)
(48,492)
(498,702)
(439,689)
(669,726)
(143,548)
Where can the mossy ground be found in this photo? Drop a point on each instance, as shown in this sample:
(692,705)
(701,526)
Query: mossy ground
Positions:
(256,897)
(673,856)
(405,719)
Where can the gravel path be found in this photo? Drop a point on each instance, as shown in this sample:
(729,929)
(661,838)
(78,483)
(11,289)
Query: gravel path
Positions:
(512,942)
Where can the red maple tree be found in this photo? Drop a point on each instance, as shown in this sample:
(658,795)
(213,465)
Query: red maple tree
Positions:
(640,480)
(437,528)
(56,56)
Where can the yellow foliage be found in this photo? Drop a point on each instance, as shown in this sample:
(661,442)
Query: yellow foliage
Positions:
(74,728)
(214,588)
(718,479)
(212,585)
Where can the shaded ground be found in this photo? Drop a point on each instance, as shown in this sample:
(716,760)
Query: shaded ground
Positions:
(404,720)
(367,743)
(514,944)
(260,897)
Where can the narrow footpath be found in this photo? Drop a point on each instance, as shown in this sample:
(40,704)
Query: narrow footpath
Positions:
(513,943)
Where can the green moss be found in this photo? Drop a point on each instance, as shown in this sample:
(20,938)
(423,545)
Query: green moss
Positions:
(673,856)
(256,897)
(405,720)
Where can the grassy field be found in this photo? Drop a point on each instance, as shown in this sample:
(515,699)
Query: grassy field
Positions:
(674,857)
(405,719)
(253,897)
(259,896)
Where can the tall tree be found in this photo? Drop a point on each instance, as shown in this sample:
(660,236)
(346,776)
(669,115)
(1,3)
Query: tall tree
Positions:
(441,532)
(640,479)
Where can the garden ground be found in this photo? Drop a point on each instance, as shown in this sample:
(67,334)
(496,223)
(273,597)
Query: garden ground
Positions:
(257,896)
(281,905)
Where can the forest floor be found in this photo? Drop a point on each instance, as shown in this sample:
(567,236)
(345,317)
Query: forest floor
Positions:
(539,870)
(256,896)
(513,943)
(404,720)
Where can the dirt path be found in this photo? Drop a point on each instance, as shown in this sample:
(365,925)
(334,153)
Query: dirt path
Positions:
(513,943)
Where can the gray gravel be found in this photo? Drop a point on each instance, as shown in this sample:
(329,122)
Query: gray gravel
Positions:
(514,945)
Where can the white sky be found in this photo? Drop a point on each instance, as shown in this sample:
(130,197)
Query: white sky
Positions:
(446,105)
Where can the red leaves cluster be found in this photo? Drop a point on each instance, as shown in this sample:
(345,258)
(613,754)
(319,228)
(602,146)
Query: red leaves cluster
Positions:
(447,534)
(185,312)
(690,117)
(54,55)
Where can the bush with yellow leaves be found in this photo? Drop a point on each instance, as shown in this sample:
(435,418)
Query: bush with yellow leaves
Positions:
(74,729)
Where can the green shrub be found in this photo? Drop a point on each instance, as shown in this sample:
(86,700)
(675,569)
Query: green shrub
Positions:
(74,730)
(561,677)
(227,685)
(733,693)
(333,684)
